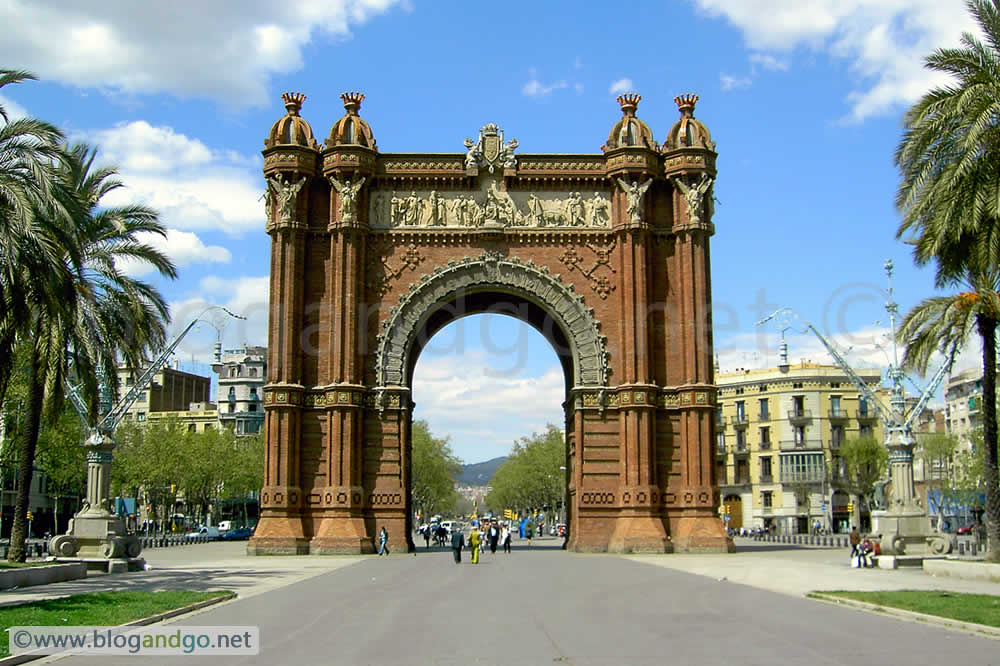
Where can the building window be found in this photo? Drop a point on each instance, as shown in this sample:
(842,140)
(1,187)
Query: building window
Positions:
(720,440)
(142,397)
(252,407)
(835,405)
(765,499)
(765,438)
(765,469)
(803,468)
(862,408)
(192,427)
(741,440)
(800,435)
(866,431)
(253,372)
(718,416)
(764,415)
(232,372)
(763,387)
(742,471)
(799,405)
(140,416)
(741,411)
(797,385)
(837,435)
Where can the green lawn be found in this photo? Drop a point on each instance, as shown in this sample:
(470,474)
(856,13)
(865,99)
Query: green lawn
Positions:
(978,608)
(99,609)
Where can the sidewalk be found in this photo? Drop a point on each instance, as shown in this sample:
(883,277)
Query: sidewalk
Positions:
(796,570)
(208,566)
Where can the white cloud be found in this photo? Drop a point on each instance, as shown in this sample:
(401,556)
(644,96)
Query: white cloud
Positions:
(768,62)
(192,186)
(621,86)
(514,404)
(884,41)
(183,247)
(535,88)
(13,110)
(246,296)
(733,82)
(226,49)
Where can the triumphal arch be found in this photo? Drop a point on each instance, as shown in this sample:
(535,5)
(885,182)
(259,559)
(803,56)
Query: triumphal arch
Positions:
(605,253)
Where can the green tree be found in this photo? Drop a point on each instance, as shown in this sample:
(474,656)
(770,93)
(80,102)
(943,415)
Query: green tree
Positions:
(937,452)
(109,315)
(949,196)
(63,460)
(434,469)
(865,461)
(531,477)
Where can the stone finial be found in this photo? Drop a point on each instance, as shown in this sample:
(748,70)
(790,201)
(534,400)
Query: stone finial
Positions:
(686,104)
(352,101)
(293,102)
(629,103)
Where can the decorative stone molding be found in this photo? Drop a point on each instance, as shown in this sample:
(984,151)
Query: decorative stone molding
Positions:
(567,308)
(382,273)
(490,151)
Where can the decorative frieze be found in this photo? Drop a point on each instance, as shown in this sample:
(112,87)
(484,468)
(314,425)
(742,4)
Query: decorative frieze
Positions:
(491,207)
(601,283)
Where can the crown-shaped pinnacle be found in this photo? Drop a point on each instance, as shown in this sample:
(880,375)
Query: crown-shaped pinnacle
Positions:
(629,102)
(293,102)
(686,104)
(352,101)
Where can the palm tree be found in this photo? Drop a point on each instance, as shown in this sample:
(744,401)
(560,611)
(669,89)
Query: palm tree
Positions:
(34,223)
(110,316)
(949,195)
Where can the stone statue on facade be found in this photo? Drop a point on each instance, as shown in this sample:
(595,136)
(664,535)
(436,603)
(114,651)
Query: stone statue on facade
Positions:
(287,194)
(693,196)
(600,211)
(575,210)
(490,150)
(348,198)
(634,192)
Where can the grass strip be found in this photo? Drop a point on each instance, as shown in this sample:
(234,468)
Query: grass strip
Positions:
(21,565)
(977,608)
(98,609)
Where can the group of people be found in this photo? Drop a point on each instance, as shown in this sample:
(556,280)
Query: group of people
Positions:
(863,551)
(493,536)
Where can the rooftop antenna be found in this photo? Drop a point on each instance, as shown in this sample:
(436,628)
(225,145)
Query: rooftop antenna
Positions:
(783,317)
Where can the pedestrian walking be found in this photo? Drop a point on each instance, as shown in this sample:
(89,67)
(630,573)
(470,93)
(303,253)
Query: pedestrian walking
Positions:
(494,537)
(427,536)
(855,539)
(505,538)
(528,529)
(383,542)
(457,544)
(474,542)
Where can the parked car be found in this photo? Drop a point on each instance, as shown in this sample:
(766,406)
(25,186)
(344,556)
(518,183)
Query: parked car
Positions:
(204,531)
(238,534)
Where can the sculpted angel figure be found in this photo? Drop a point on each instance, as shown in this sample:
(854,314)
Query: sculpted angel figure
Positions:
(348,198)
(693,195)
(634,192)
(287,194)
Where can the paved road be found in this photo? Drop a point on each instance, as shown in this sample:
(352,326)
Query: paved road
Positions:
(547,606)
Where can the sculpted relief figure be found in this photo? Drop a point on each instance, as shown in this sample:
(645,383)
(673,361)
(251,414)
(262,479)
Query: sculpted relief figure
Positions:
(411,214)
(634,193)
(287,194)
(575,213)
(600,211)
(693,196)
(348,199)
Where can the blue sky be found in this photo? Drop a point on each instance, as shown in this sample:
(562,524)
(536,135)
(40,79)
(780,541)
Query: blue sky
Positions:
(804,100)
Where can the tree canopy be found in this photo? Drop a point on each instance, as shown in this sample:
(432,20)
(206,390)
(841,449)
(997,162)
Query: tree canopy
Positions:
(534,475)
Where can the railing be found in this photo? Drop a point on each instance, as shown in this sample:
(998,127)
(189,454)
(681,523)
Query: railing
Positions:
(787,444)
(740,420)
(799,415)
(767,478)
(765,446)
(865,415)
(838,414)
(763,416)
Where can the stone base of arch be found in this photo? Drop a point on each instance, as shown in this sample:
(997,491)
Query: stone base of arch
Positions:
(699,534)
(279,535)
(341,535)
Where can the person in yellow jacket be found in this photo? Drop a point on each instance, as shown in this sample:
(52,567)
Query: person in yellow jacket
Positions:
(474,540)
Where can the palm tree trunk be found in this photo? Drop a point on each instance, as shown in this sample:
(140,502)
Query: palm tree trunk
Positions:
(987,331)
(26,462)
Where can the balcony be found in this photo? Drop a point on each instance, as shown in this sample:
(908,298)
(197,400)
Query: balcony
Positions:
(767,510)
(720,422)
(799,415)
(765,446)
(763,416)
(866,415)
(720,449)
(741,449)
(767,478)
(838,414)
(739,421)
(835,444)
(792,444)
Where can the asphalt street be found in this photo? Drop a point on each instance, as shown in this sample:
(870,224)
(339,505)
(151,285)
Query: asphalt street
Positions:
(545,606)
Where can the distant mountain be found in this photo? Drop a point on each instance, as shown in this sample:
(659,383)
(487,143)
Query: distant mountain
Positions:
(479,474)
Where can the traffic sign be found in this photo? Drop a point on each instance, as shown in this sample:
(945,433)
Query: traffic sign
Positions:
(823,507)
